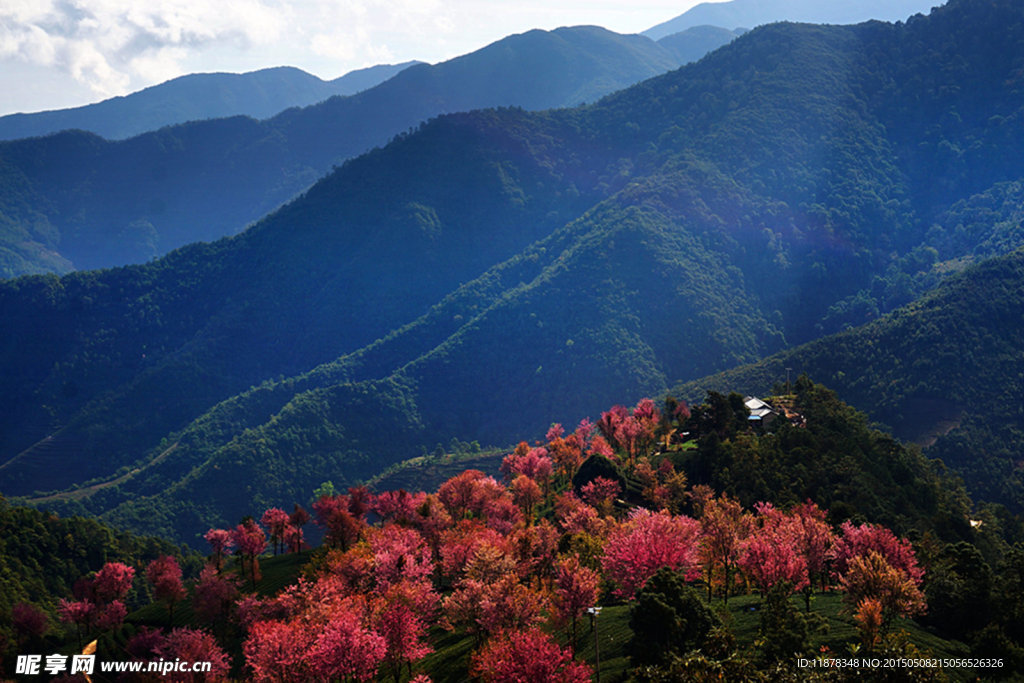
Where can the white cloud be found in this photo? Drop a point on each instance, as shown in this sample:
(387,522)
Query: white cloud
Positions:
(114,46)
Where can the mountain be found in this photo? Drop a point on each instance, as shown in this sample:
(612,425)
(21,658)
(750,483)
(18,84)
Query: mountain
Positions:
(258,94)
(693,43)
(946,371)
(78,201)
(751,13)
(497,270)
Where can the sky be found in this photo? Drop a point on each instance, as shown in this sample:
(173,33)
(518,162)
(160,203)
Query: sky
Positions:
(64,53)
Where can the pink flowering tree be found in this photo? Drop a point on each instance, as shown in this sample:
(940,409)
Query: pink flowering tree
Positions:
(213,596)
(646,542)
(770,555)
(601,492)
(347,649)
(164,574)
(857,541)
(816,542)
(195,645)
(99,600)
(871,577)
(528,655)
(576,589)
(724,526)
(251,542)
(221,544)
(276,520)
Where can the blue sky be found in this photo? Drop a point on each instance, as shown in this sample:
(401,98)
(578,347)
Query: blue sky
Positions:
(63,53)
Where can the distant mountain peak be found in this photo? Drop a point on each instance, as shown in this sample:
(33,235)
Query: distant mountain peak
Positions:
(751,13)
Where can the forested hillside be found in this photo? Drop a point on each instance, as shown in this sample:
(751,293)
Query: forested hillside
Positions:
(944,371)
(73,200)
(662,542)
(494,271)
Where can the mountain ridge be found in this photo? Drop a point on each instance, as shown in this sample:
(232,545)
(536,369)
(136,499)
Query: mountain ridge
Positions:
(699,219)
(258,94)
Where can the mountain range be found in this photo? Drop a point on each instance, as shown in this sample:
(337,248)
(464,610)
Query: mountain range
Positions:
(751,13)
(257,94)
(73,200)
(494,271)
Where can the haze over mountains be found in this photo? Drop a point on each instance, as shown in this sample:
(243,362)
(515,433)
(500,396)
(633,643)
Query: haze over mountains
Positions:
(495,271)
(257,94)
(751,13)
(74,200)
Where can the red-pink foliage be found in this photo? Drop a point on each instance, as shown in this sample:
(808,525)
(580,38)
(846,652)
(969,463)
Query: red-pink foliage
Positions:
(249,538)
(111,615)
(165,575)
(857,541)
(534,548)
(815,538)
(502,514)
(276,520)
(771,553)
(293,538)
(461,543)
(523,656)
(112,582)
(79,612)
(346,648)
(221,543)
(600,491)
(402,615)
(341,527)
(397,506)
(469,493)
(576,589)
(213,595)
(275,652)
(146,644)
(28,620)
(193,645)
(576,517)
(646,542)
(526,493)
(399,553)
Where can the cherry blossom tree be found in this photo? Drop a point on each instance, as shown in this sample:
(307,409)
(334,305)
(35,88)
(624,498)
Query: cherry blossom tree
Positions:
(871,576)
(601,492)
(402,615)
(213,595)
(399,553)
(346,648)
(724,525)
(276,652)
(29,622)
(816,542)
(221,543)
(165,575)
(526,494)
(112,582)
(770,555)
(195,645)
(857,541)
(99,599)
(529,655)
(576,590)
(341,527)
(276,520)
(251,541)
(646,542)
